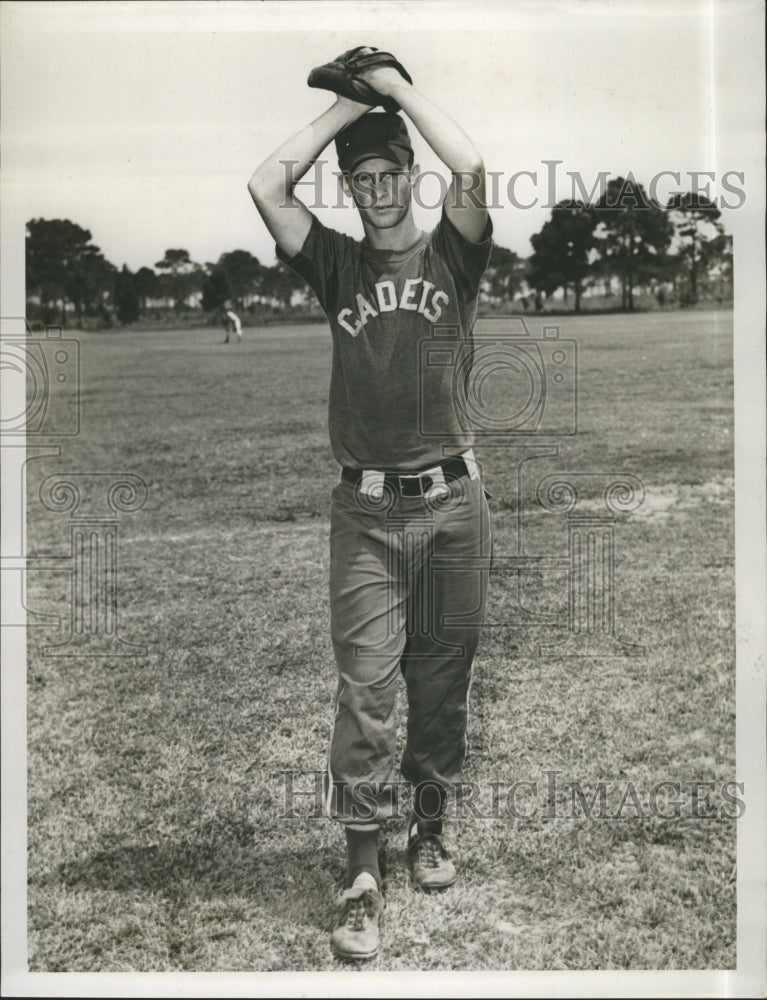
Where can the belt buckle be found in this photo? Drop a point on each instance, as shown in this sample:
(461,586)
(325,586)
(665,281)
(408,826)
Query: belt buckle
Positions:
(402,482)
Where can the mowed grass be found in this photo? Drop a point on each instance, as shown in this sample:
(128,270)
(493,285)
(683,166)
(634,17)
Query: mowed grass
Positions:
(157,839)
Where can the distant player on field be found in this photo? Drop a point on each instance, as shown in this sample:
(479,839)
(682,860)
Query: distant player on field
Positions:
(232,324)
(410,533)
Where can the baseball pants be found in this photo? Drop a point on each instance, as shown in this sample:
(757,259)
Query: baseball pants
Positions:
(408,580)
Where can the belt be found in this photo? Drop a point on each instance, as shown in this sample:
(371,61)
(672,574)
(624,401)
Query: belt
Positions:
(414,484)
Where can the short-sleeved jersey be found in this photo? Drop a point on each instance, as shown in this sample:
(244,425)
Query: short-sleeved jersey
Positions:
(396,404)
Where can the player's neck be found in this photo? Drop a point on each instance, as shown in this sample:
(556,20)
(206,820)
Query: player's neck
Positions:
(399,237)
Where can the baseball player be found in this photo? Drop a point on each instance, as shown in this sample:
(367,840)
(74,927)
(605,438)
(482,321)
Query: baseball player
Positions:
(232,324)
(410,534)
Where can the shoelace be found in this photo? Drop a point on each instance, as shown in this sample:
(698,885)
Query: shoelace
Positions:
(357,903)
(430,852)
(355,914)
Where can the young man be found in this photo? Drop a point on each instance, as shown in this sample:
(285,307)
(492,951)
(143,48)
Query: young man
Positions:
(410,536)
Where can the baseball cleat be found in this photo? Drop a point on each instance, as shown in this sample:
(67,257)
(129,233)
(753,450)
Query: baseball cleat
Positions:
(430,866)
(356,934)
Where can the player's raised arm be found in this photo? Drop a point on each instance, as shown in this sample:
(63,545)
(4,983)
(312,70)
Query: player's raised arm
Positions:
(465,202)
(271,186)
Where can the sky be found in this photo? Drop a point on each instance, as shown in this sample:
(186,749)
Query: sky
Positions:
(142,122)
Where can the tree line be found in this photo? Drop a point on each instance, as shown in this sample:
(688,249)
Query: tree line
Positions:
(66,272)
(627,237)
(617,245)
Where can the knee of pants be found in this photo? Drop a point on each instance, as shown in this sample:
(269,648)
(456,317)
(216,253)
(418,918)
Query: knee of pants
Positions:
(369,665)
(361,705)
(437,712)
(442,765)
(364,737)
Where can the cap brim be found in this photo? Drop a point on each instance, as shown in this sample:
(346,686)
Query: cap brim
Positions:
(399,157)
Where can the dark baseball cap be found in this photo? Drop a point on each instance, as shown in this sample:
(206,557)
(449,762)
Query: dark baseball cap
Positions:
(376,134)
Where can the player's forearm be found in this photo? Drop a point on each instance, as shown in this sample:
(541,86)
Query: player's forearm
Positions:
(445,136)
(279,173)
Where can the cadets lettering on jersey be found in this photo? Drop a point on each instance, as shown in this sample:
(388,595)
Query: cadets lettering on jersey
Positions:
(426,300)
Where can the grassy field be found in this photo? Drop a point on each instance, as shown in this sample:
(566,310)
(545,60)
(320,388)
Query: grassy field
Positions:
(156,785)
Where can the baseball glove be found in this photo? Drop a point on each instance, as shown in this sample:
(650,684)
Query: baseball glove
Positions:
(342,76)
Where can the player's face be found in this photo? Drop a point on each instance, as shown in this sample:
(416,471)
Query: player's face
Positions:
(382,191)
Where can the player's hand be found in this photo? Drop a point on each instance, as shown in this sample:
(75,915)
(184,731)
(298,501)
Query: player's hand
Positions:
(384,79)
(349,105)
